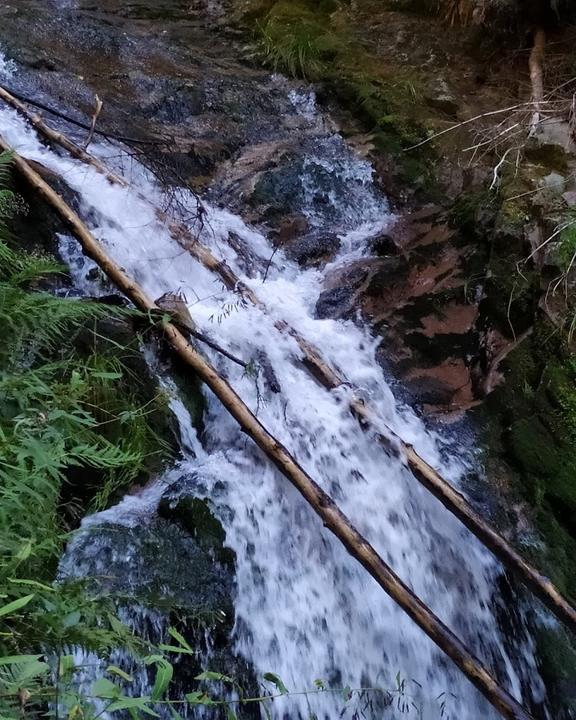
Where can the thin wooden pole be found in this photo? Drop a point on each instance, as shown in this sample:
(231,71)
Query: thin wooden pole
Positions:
(319,500)
(452,500)
(60,139)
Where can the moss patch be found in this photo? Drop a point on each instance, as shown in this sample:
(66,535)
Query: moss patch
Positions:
(533,423)
(558,669)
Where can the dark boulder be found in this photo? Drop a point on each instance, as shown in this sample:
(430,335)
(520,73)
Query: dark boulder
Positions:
(335,303)
(313,248)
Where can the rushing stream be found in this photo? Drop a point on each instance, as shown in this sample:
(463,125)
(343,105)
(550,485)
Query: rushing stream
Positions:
(303,608)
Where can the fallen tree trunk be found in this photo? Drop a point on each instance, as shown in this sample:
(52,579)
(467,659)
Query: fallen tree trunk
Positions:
(536,67)
(60,139)
(322,504)
(452,500)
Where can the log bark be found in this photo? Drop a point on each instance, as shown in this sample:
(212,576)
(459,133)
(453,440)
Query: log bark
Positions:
(452,500)
(321,503)
(536,67)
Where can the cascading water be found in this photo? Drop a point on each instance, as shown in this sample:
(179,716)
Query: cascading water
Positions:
(304,609)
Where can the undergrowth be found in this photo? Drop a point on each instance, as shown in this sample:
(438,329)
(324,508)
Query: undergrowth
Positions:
(63,413)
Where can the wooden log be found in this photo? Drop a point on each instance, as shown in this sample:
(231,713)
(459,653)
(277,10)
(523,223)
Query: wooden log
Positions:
(183,236)
(60,139)
(458,505)
(320,501)
(452,500)
(536,67)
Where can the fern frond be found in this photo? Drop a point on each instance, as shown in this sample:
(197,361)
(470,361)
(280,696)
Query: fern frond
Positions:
(5,163)
(36,267)
(44,320)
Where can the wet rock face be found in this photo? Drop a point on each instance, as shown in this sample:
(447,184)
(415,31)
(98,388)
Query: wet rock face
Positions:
(169,569)
(166,72)
(311,249)
(174,557)
(317,176)
(415,291)
(335,304)
(193,514)
(132,561)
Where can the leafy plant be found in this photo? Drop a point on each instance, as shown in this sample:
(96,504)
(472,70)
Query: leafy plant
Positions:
(298,41)
(63,410)
(567,246)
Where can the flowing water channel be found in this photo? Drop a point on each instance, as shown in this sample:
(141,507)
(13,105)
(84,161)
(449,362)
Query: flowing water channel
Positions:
(303,608)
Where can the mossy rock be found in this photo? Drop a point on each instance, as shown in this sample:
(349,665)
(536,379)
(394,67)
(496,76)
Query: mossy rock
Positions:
(190,391)
(474,213)
(511,298)
(558,557)
(280,190)
(512,218)
(513,399)
(534,448)
(158,565)
(194,515)
(531,422)
(551,157)
(548,462)
(557,661)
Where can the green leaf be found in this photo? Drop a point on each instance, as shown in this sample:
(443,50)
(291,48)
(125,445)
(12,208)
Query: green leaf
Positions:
(199,698)
(107,375)
(72,619)
(66,665)
(32,583)
(164,673)
(16,605)
(179,639)
(215,676)
(105,688)
(30,670)
(17,659)
(118,627)
(271,677)
(24,552)
(175,649)
(115,670)
(127,703)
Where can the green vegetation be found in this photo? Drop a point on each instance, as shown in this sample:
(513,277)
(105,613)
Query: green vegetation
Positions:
(297,40)
(74,428)
(311,39)
(567,245)
(537,409)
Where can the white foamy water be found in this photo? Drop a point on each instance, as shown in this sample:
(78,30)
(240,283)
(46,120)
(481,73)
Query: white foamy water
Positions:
(304,608)
(7,67)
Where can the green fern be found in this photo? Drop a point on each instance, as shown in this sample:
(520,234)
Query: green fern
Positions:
(42,320)
(61,411)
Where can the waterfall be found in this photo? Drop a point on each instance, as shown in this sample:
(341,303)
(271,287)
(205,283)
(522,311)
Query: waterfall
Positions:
(304,609)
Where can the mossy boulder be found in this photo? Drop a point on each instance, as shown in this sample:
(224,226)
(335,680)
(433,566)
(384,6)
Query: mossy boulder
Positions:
(194,515)
(532,422)
(558,669)
(130,562)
